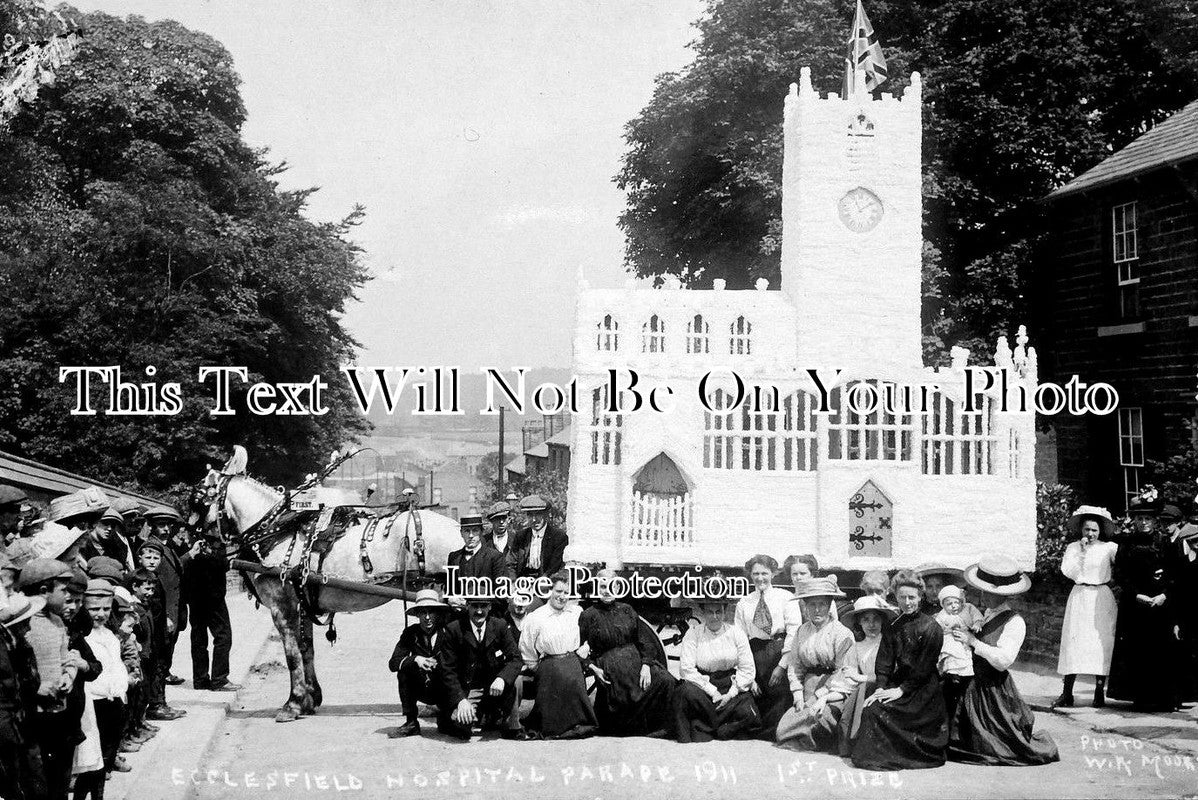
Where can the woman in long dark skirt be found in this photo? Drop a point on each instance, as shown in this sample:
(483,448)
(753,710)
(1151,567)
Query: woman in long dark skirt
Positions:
(634,692)
(1144,638)
(992,725)
(713,701)
(903,723)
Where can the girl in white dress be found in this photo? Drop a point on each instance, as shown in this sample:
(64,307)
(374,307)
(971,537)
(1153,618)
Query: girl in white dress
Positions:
(1088,628)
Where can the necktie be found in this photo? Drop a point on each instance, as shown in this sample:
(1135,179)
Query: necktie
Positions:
(762,617)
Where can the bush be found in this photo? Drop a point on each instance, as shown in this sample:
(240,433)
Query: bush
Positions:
(1054,505)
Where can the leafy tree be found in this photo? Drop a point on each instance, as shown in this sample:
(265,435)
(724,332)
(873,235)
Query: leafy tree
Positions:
(138,229)
(1020,95)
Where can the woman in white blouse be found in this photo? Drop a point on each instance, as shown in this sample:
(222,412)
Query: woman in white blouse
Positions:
(762,616)
(1088,628)
(992,725)
(714,700)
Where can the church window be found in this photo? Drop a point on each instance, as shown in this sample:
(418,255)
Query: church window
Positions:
(653,335)
(606,429)
(608,337)
(763,434)
(696,336)
(862,430)
(957,440)
(740,343)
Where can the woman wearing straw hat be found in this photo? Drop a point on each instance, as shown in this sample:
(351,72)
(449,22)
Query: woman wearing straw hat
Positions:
(819,667)
(713,700)
(869,617)
(904,725)
(992,725)
(1088,628)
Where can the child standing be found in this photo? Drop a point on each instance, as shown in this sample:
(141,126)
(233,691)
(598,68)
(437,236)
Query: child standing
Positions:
(956,659)
(109,689)
(150,557)
(124,623)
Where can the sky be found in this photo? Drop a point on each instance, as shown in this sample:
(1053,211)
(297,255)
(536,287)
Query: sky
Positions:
(480,135)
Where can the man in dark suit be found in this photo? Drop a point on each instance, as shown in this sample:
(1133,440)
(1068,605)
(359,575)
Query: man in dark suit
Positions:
(501,537)
(541,546)
(165,527)
(480,660)
(475,560)
(206,576)
(416,663)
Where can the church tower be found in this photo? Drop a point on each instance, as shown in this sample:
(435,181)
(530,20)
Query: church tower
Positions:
(852,227)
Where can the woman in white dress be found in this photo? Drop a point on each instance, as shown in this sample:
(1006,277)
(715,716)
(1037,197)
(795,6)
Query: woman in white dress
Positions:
(1088,628)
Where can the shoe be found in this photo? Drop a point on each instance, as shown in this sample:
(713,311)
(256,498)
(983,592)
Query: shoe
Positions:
(121,765)
(146,726)
(516,735)
(224,686)
(173,680)
(141,737)
(409,728)
(165,714)
(1064,701)
(202,684)
(128,746)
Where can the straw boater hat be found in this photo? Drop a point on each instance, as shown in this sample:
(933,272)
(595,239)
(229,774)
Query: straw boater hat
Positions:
(471,520)
(936,568)
(53,539)
(427,599)
(1097,513)
(869,602)
(89,502)
(20,608)
(817,587)
(998,574)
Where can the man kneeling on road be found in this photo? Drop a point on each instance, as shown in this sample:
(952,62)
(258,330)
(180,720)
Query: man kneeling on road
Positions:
(415,662)
(480,660)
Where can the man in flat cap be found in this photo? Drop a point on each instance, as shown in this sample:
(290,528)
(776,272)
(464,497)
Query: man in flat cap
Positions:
(501,537)
(165,526)
(540,547)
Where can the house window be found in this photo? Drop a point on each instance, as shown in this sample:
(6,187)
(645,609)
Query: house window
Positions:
(772,436)
(1126,253)
(606,433)
(608,337)
(740,343)
(1131,449)
(653,335)
(696,336)
(875,436)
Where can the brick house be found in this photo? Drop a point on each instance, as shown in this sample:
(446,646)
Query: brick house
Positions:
(1118,303)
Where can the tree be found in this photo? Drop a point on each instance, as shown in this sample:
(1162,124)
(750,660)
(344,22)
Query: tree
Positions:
(1020,95)
(138,230)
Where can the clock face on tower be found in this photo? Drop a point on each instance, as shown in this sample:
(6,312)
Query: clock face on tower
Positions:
(860,210)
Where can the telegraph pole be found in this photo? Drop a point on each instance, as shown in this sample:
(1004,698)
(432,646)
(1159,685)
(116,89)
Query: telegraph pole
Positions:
(499,468)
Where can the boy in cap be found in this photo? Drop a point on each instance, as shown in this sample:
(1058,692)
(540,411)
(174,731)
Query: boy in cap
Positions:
(415,662)
(109,690)
(21,773)
(57,667)
(124,623)
(148,589)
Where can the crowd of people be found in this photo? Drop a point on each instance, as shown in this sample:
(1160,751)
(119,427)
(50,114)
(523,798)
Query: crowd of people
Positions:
(1154,620)
(95,593)
(907,676)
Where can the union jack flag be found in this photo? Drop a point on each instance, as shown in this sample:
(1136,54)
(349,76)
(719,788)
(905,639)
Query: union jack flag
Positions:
(865,54)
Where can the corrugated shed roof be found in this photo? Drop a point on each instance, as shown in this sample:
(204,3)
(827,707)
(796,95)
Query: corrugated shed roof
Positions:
(1171,142)
(19,471)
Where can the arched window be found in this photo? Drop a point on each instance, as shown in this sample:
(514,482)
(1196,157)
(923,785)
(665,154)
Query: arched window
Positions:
(606,429)
(653,335)
(608,337)
(767,433)
(958,440)
(861,125)
(697,340)
(863,425)
(740,343)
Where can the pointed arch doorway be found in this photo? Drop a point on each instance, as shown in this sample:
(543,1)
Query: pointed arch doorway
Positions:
(662,506)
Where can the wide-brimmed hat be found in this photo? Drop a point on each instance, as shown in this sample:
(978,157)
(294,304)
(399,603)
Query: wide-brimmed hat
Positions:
(998,574)
(89,502)
(533,504)
(1148,501)
(499,509)
(19,608)
(869,602)
(21,552)
(427,600)
(936,568)
(817,587)
(1097,513)
(11,495)
(53,539)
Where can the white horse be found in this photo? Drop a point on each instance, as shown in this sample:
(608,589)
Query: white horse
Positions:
(246,502)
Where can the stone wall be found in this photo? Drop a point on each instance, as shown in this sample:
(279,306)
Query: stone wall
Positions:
(1043,609)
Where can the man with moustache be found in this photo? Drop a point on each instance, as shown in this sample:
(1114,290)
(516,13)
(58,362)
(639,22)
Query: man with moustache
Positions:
(480,661)
(476,559)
